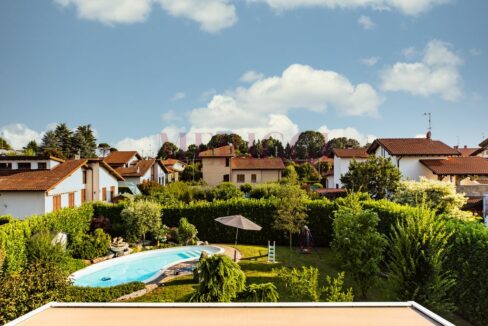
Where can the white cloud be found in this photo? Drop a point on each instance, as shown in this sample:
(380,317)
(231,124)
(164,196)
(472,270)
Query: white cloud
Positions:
(211,15)
(170,116)
(366,22)
(110,11)
(436,74)
(348,132)
(371,61)
(178,96)
(409,53)
(251,76)
(408,7)
(18,135)
(149,145)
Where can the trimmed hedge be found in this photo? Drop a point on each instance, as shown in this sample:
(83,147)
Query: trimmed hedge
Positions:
(260,211)
(468,258)
(14,235)
(107,294)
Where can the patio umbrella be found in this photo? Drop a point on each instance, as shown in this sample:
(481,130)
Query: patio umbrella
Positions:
(238,222)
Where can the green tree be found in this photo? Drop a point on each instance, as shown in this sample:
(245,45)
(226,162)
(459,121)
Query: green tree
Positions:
(140,218)
(309,144)
(168,150)
(302,283)
(419,246)
(85,143)
(220,280)
(4,144)
(340,143)
(192,172)
(307,172)
(186,232)
(334,289)
(273,147)
(291,214)
(65,141)
(104,149)
(290,175)
(226,191)
(358,243)
(377,176)
(31,148)
(263,292)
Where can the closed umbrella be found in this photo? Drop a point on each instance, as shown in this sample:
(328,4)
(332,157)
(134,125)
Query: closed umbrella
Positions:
(238,222)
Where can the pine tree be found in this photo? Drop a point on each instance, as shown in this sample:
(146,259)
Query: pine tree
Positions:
(64,138)
(85,142)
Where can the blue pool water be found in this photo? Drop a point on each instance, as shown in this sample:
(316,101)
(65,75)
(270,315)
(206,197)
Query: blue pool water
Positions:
(142,267)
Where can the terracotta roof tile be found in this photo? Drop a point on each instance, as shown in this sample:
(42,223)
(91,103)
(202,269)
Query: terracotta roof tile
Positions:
(224,151)
(120,157)
(351,152)
(479,150)
(250,163)
(466,151)
(472,165)
(138,169)
(413,147)
(30,158)
(323,159)
(40,180)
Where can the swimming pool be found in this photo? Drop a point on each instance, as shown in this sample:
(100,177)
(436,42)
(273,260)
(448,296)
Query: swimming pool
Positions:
(141,267)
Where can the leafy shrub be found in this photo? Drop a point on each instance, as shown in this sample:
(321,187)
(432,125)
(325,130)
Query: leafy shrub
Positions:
(186,232)
(264,292)
(358,244)
(31,288)
(100,222)
(226,191)
(246,188)
(40,248)
(140,218)
(302,284)
(437,195)
(307,172)
(220,280)
(334,289)
(102,294)
(91,246)
(419,248)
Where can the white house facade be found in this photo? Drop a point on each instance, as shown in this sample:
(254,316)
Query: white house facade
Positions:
(342,160)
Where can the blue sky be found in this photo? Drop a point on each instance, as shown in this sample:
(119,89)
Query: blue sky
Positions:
(137,68)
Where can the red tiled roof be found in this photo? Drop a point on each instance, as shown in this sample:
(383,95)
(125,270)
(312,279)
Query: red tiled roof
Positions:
(471,165)
(323,159)
(171,161)
(138,169)
(40,180)
(30,158)
(224,151)
(250,163)
(350,152)
(107,167)
(466,151)
(413,147)
(484,143)
(479,150)
(121,157)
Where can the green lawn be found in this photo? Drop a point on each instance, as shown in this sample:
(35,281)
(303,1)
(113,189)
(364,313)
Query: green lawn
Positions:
(258,270)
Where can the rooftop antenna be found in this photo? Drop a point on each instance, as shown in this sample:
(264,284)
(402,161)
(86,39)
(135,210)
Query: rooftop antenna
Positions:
(430,120)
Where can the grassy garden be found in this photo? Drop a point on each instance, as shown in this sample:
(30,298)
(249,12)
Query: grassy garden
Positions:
(365,249)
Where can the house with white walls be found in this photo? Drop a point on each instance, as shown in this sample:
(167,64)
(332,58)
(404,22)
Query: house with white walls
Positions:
(407,154)
(38,185)
(135,169)
(342,160)
(174,167)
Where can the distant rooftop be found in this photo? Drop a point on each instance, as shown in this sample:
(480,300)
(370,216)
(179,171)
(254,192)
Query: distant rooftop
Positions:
(351,152)
(224,151)
(314,314)
(251,163)
(413,147)
(29,158)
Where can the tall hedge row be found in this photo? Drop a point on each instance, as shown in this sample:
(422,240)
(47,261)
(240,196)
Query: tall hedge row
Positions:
(14,235)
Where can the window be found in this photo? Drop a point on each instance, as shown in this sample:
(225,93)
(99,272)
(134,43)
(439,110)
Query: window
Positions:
(241,178)
(104,194)
(227,162)
(254,178)
(84,177)
(56,203)
(83,196)
(112,193)
(71,199)
(24,166)
(226,178)
(5,166)
(41,166)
